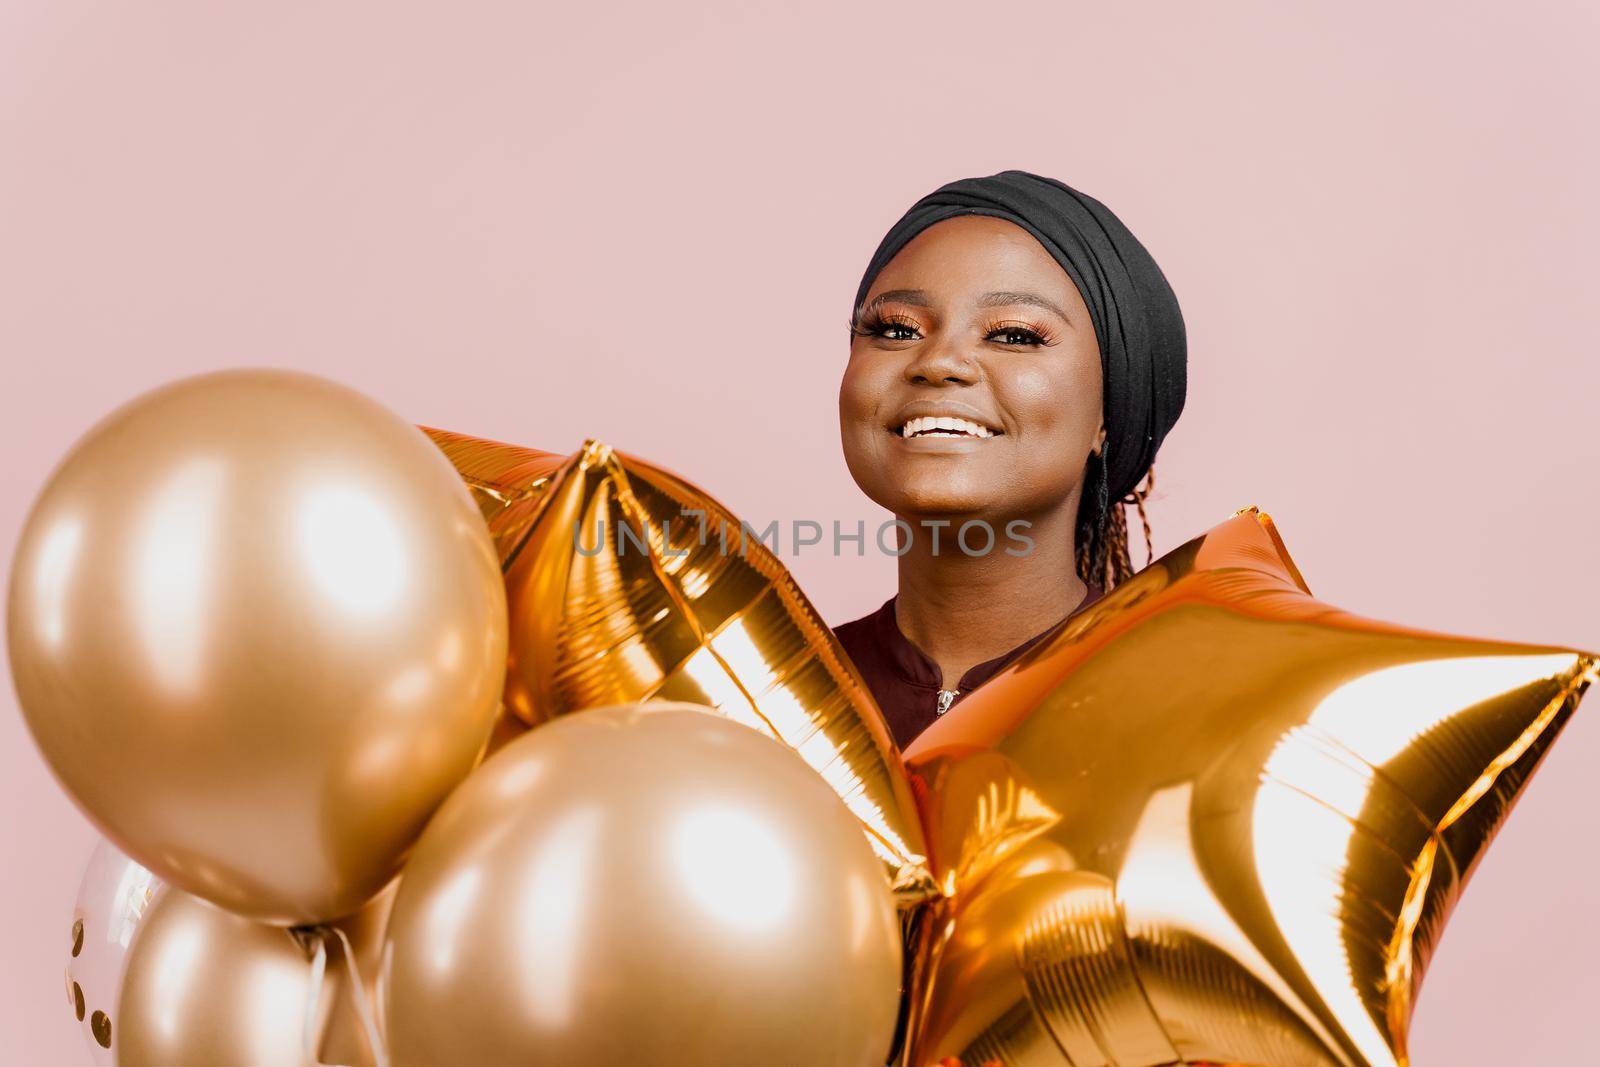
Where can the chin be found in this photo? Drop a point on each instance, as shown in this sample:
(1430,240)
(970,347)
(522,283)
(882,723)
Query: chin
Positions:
(939,502)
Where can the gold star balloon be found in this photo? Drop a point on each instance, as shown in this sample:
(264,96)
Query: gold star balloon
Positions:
(506,481)
(1214,820)
(625,583)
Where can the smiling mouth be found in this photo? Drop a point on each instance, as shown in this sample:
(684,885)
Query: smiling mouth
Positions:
(943,426)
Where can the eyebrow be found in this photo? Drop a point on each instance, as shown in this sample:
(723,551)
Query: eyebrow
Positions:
(1002,297)
(996,298)
(914,297)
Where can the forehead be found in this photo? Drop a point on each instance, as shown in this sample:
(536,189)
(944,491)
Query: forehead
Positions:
(969,252)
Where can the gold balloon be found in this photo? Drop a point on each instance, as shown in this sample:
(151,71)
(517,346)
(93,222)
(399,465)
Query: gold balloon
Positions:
(1215,820)
(206,988)
(257,627)
(506,481)
(626,583)
(644,884)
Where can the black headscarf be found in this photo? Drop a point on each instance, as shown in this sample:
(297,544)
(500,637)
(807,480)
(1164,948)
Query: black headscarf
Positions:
(1135,314)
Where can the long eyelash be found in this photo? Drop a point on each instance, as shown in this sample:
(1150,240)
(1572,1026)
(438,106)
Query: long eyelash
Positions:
(875,321)
(1043,334)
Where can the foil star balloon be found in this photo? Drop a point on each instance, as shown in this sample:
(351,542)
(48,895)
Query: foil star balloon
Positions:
(625,583)
(506,481)
(1215,820)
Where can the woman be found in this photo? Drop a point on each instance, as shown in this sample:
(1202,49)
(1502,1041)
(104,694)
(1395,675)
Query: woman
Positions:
(1016,358)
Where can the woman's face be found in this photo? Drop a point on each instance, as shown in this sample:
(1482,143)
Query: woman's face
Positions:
(974,322)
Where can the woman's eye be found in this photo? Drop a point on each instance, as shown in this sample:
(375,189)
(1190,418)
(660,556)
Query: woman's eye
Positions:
(1016,335)
(887,329)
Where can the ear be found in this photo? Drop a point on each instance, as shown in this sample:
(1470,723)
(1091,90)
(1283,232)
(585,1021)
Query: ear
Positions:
(1100,439)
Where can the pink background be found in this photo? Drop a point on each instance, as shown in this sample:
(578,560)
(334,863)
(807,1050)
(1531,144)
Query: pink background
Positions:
(646,225)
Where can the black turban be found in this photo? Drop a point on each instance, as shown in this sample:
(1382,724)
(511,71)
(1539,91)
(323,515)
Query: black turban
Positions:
(1135,314)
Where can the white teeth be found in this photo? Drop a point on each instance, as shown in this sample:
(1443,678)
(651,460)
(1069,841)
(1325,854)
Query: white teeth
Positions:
(947,425)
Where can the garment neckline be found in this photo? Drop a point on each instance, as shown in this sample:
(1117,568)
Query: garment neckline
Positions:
(915,667)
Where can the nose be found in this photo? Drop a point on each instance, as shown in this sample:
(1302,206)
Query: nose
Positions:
(941,362)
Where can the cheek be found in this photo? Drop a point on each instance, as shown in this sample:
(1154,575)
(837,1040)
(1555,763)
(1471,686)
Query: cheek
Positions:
(860,431)
(1057,409)
(1058,405)
(860,392)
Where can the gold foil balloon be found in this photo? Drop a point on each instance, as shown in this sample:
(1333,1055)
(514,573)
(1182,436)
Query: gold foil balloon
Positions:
(506,481)
(1213,819)
(257,627)
(206,988)
(650,884)
(626,583)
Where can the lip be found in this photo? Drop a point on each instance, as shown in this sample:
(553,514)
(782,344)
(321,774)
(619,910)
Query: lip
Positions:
(933,408)
(940,444)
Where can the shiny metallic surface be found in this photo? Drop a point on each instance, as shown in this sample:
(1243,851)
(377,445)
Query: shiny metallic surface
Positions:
(206,988)
(1216,820)
(257,627)
(506,481)
(642,884)
(626,583)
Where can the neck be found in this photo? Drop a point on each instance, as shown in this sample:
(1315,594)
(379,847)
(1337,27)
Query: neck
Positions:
(965,609)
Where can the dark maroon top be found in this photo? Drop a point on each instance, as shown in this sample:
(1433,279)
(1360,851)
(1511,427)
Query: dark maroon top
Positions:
(905,682)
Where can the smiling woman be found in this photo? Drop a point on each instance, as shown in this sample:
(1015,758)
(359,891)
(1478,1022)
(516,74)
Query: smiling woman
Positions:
(1016,358)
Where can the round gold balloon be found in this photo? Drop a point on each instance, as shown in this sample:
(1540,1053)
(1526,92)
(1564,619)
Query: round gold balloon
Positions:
(627,583)
(643,884)
(1212,819)
(206,988)
(257,627)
